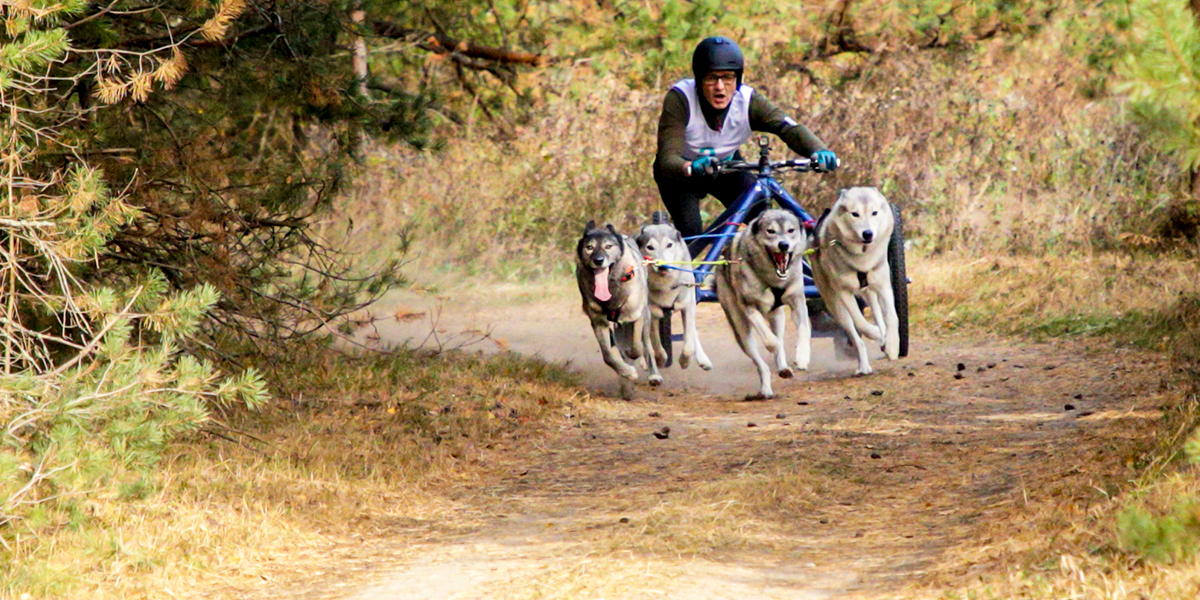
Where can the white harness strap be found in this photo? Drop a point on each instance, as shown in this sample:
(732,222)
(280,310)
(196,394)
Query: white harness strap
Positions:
(701,139)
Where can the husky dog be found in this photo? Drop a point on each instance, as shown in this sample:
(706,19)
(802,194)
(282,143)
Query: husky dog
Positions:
(851,261)
(612,281)
(764,274)
(671,288)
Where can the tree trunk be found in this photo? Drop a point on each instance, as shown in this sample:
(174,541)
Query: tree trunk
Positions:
(360,49)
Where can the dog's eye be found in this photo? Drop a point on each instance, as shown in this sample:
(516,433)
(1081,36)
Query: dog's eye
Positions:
(650,247)
(854,213)
(791,230)
(771,231)
(670,244)
(874,213)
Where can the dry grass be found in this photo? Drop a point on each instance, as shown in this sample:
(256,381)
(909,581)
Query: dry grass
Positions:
(353,460)
(1094,294)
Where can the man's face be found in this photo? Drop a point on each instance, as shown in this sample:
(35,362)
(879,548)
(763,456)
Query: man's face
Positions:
(718,87)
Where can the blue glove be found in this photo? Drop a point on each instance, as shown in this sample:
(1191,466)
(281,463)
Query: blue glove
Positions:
(705,165)
(825,161)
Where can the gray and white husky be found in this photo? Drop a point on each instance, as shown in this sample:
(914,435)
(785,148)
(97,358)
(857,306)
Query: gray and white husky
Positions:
(672,287)
(851,260)
(765,274)
(612,281)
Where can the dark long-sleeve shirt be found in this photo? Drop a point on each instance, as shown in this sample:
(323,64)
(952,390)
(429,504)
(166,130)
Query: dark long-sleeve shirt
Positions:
(764,116)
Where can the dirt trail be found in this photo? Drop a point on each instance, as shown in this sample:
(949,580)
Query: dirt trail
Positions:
(841,487)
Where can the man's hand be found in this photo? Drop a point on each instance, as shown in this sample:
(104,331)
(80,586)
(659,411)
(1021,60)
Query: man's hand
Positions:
(705,165)
(824,161)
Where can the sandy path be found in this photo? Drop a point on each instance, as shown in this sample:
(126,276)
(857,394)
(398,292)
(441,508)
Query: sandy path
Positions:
(841,487)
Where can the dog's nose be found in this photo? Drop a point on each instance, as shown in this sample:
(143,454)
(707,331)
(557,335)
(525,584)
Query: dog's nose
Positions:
(783,246)
(868,235)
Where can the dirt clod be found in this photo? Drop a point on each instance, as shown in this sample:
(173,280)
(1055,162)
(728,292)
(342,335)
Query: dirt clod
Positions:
(958,375)
(654,414)
(876,392)
(663,433)
(751,424)
(780,416)
(1069,407)
(802,403)
(876,455)
(961,367)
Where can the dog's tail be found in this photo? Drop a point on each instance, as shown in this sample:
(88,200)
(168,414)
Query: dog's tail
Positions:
(660,217)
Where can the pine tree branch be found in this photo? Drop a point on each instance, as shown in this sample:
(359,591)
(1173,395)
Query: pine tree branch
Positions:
(443,44)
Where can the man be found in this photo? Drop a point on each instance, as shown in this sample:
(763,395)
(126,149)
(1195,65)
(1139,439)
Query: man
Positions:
(704,121)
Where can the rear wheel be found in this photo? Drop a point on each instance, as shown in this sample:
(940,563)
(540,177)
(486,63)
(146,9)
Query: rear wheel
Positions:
(899,278)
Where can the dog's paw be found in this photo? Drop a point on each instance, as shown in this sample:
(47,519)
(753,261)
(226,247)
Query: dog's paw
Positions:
(660,359)
(629,373)
(800,366)
(864,370)
(759,396)
(685,359)
(705,364)
(626,389)
(655,380)
(785,373)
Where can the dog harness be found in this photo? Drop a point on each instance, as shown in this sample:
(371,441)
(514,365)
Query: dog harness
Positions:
(778,293)
(613,314)
(862,277)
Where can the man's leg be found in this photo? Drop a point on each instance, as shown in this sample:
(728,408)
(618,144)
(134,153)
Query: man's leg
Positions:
(682,201)
(729,187)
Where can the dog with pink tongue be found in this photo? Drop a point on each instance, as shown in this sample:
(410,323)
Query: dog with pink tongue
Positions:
(611,275)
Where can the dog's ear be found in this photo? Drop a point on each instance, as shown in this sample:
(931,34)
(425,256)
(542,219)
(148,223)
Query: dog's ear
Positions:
(590,226)
(755,227)
(678,236)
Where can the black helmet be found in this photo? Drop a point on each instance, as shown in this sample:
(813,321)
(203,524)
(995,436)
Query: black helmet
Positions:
(717,53)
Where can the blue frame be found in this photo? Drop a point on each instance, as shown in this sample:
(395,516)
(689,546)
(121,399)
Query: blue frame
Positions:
(765,189)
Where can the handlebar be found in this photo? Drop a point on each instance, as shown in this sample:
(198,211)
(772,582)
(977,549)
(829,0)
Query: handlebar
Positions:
(764,166)
(796,164)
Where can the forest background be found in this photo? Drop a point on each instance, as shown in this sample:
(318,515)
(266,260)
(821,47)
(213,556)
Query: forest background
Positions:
(197,193)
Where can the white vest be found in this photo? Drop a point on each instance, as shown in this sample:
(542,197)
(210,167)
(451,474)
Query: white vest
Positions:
(733,133)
